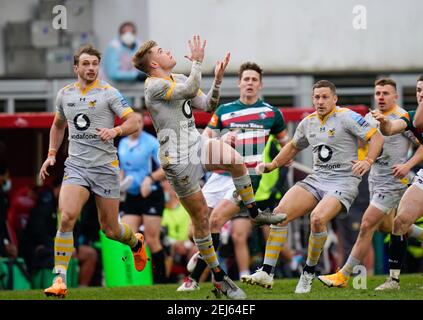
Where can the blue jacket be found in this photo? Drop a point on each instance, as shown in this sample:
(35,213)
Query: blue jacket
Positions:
(118,61)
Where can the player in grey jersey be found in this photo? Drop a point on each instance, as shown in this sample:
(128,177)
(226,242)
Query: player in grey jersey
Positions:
(411,205)
(88,108)
(388,180)
(333,134)
(184,154)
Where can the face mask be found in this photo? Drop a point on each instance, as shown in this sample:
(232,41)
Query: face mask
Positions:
(166,197)
(7,185)
(128,38)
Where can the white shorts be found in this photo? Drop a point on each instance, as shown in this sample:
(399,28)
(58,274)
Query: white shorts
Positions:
(418,180)
(221,187)
(217,188)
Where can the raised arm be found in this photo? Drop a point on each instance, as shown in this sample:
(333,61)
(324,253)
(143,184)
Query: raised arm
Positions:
(191,86)
(210,101)
(389,127)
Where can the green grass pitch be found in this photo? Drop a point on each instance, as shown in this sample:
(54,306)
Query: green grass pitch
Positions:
(283,289)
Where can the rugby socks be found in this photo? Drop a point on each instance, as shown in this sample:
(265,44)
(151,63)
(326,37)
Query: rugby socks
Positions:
(206,249)
(397,248)
(201,264)
(348,267)
(415,232)
(245,190)
(274,244)
(128,237)
(159,267)
(316,242)
(63,249)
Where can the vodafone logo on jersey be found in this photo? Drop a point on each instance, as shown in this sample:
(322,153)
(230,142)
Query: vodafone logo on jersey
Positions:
(186,109)
(81,122)
(324,153)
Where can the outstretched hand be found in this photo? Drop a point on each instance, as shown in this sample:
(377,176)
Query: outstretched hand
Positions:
(379,116)
(196,48)
(220,68)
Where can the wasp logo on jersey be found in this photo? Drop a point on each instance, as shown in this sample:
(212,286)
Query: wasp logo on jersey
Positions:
(331,132)
(92,103)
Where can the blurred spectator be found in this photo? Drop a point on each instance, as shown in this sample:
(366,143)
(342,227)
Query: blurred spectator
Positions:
(37,242)
(177,223)
(144,203)
(7,248)
(22,202)
(118,57)
(87,238)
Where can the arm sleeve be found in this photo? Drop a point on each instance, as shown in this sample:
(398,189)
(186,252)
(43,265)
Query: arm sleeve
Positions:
(279,123)
(215,122)
(59,105)
(300,140)
(163,89)
(358,126)
(208,102)
(407,117)
(118,103)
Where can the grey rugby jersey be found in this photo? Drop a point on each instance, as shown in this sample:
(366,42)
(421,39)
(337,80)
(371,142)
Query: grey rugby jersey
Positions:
(169,101)
(395,151)
(334,140)
(84,111)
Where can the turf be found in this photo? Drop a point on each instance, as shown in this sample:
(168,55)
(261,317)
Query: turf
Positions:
(411,289)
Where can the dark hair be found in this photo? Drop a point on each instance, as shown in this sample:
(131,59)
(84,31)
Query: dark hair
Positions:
(386,82)
(250,66)
(325,84)
(125,24)
(420,78)
(88,49)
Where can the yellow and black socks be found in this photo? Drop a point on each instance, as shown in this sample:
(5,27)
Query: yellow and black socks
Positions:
(245,190)
(201,264)
(274,244)
(63,249)
(128,237)
(316,243)
(206,249)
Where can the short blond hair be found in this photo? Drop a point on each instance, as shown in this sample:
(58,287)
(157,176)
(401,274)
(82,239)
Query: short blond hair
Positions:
(141,57)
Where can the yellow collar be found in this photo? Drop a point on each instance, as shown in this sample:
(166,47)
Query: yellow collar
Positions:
(322,121)
(87,88)
(387,113)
